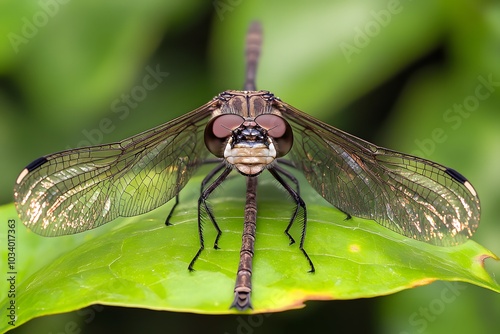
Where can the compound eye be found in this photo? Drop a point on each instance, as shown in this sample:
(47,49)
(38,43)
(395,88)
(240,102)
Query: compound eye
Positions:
(218,130)
(224,125)
(279,130)
(275,125)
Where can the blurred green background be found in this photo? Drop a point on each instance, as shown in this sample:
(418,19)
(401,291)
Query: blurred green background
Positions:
(420,77)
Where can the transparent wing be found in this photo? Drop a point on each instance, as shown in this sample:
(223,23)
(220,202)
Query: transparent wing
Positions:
(77,190)
(412,196)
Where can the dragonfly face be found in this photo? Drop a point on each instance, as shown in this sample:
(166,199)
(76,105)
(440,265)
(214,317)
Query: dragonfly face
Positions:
(251,143)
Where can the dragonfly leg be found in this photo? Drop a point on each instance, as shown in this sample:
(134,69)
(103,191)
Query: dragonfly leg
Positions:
(292,178)
(210,175)
(289,175)
(167,221)
(202,203)
(347,215)
(300,204)
(205,181)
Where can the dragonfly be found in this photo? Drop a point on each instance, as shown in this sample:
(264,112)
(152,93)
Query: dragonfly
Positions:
(249,131)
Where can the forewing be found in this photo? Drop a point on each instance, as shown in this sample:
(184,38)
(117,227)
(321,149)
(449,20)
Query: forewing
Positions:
(412,196)
(77,190)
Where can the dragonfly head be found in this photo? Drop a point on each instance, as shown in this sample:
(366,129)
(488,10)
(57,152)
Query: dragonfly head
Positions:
(250,145)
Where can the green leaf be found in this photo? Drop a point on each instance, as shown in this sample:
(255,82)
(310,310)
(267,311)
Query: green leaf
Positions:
(139,262)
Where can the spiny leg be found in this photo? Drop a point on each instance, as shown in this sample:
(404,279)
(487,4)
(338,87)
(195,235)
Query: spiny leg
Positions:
(289,175)
(205,181)
(297,195)
(209,176)
(167,221)
(203,201)
(299,202)
(178,179)
(294,180)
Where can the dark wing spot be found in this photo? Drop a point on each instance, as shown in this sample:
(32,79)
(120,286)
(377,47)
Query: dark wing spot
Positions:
(35,164)
(456,175)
